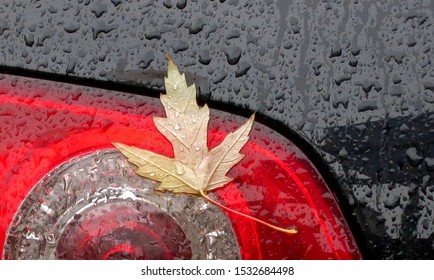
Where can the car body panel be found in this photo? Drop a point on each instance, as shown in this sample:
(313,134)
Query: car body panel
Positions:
(352,78)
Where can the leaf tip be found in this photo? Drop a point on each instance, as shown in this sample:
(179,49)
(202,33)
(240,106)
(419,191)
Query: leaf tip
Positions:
(168,58)
(170,62)
(252,117)
(172,70)
(121,147)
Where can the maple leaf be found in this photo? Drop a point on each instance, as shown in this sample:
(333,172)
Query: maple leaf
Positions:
(194,169)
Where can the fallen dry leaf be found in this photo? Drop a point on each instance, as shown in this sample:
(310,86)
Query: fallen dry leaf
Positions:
(194,169)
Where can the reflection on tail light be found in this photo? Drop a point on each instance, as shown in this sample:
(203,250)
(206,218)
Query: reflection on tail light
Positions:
(52,132)
(95,207)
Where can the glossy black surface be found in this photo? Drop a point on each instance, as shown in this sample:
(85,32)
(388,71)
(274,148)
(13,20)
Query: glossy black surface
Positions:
(355,79)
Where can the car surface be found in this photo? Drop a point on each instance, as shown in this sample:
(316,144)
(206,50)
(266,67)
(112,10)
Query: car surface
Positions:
(350,82)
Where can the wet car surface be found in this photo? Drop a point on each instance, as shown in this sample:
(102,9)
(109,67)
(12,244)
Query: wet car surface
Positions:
(352,79)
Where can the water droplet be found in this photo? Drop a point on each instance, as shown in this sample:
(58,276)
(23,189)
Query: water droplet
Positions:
(50,238)
(194,121)
(177,126)
(181,4)
(179,169)
(413,156)
(98,8)
(204,57)
(196,26)
(233,55)
(197,148)
(243,67)
(179,46)
(176,114)
(71,26)
(102,27)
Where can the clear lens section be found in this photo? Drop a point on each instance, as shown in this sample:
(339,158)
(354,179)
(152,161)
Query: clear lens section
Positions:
(95,207)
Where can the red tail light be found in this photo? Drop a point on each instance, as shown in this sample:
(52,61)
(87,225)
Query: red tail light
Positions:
(47,126)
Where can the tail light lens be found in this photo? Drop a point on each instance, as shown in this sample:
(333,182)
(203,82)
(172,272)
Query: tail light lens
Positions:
(67,194)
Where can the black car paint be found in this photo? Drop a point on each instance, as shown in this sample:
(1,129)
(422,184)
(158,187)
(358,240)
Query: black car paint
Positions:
(353,80)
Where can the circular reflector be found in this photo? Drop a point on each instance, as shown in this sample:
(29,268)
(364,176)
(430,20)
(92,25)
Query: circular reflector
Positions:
(95,207)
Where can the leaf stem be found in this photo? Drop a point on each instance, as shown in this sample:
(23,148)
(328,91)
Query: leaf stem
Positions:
(284,230)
